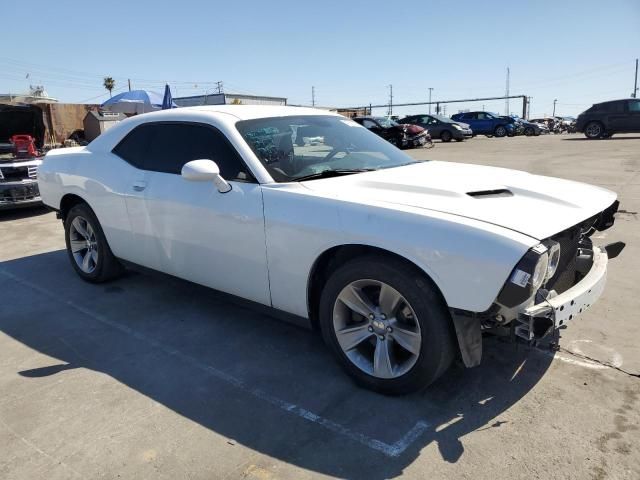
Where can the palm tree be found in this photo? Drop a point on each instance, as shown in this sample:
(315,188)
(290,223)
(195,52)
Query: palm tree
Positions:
(109,84)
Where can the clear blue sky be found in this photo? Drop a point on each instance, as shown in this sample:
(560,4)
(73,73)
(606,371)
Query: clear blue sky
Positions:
(576,51)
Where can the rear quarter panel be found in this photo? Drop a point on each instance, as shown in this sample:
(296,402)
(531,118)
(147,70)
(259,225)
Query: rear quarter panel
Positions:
(100,179)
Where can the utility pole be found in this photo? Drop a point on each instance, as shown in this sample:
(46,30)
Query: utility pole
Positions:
(430,90)
(554,107)
(219,87)
(506,101)
(313,96)
(635,82)
(129,81)
(528,108)
(390,100)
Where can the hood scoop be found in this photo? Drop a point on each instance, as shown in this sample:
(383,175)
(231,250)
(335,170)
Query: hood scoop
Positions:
(500,192)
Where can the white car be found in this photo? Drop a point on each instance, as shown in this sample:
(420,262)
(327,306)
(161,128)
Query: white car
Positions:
(401,264)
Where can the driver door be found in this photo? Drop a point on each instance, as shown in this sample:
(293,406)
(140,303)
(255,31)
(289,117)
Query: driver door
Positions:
(191,230)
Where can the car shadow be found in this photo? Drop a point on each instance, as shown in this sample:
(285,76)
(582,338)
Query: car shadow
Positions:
(22,212)
(614,138)
(268,385)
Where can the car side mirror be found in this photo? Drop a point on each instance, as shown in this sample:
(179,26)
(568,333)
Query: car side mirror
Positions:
(205,171)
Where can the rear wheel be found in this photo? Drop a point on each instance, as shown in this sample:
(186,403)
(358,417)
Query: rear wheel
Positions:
(87,246)
(387,325)
(594,130)
(446,136)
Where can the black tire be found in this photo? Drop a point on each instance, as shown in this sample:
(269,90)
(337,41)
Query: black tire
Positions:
(107,266)
(459,139)
(438,347)
(529,131)
(446,136)
(500,131)
(594,130)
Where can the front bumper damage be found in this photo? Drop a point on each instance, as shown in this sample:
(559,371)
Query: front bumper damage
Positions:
(531,313)
(554,311)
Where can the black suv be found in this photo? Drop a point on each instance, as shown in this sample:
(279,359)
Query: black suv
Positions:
(604,119)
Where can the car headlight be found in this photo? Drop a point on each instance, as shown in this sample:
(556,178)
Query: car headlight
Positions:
(554,258)
(526,278)
(457,127)
(541,269)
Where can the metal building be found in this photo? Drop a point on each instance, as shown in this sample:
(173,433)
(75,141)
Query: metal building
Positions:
(228,99)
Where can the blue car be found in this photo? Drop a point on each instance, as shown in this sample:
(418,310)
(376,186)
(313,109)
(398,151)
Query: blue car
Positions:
(486,123)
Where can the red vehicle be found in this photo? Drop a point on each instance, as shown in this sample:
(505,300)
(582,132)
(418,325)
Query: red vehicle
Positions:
(24,146)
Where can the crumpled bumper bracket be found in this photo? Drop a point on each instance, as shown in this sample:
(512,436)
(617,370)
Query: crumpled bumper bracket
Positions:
(540,320)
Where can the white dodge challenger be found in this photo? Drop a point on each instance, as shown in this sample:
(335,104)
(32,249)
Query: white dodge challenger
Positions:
(401,264)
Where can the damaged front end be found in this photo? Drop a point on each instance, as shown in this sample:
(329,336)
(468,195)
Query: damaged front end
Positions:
(554,282)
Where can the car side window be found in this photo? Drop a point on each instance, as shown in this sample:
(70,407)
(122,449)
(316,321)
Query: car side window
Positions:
(369,123)
(616,107)
(166,147)
(634,105)
(133,148)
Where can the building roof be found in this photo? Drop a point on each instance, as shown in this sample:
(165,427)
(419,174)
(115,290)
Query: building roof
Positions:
(237,95)
(107,116)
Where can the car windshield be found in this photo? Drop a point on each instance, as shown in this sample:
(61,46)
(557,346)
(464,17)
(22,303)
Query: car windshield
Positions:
(385,122)
(442,119)
(294,147)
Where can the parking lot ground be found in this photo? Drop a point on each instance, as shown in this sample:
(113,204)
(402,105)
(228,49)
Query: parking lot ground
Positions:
(150,376)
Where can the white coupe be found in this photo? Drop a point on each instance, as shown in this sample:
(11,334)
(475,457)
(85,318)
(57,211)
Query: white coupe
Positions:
(401,264)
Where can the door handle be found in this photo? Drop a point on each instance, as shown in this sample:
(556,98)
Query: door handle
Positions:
(139,186)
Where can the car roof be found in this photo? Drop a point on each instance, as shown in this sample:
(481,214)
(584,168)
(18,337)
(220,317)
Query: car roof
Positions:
(225,113)
(244,112)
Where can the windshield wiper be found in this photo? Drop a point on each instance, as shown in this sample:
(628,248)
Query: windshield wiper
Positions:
(333,173)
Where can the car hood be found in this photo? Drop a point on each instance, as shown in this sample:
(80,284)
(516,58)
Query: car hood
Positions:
(412,129)
(463,125)
(534,205)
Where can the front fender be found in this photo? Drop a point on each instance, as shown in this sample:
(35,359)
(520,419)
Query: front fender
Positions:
(468,260)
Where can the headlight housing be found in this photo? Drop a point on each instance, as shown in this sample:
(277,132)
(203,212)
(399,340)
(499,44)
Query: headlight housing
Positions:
(528,276)
(457,127)
(554,258)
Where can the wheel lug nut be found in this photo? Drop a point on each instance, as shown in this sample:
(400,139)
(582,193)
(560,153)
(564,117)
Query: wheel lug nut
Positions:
(389,329)
(381,337)
(370,328)
(383,316)
(371,316)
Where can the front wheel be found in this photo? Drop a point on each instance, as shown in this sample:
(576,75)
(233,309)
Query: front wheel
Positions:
(594,130)
(387,325)
(87,246)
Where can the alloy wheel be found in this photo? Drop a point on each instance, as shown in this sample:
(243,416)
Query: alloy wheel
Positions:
(377,329)
(593,130)
(83,244)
